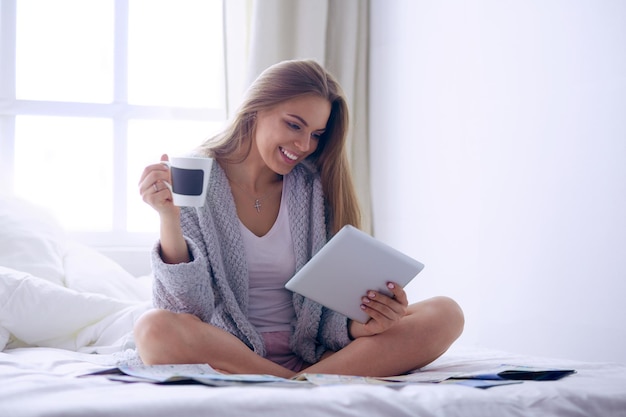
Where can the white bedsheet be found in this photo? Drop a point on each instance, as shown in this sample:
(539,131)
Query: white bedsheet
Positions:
(42,382)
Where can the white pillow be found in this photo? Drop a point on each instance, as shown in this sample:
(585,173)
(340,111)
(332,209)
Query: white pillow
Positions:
(87,270)
(31,240)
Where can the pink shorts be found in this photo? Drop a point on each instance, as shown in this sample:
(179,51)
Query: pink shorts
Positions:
(278,351)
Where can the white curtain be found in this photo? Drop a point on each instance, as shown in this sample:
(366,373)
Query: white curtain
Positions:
(260,33)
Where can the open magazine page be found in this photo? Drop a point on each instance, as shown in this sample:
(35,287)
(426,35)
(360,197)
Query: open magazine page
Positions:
(205,374)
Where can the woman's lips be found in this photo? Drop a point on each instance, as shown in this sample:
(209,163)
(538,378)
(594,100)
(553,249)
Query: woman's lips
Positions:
(289,156)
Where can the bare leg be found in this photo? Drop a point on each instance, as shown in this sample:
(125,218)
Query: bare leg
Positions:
(424,334)
(166,337)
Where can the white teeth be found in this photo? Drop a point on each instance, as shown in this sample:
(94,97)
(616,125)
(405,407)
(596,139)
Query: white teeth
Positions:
(289,154)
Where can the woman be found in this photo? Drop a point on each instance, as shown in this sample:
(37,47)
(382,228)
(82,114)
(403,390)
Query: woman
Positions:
(280,189)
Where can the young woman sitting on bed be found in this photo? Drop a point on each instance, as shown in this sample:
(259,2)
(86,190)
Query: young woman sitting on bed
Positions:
(220,270)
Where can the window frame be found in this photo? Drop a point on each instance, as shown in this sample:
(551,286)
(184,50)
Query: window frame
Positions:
(119,111)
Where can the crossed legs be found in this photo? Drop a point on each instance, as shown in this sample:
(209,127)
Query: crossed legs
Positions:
(424,334)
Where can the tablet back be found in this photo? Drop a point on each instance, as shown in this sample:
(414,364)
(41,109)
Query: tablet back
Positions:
(349,265)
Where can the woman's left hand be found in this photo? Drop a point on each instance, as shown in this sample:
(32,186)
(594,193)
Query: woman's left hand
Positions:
(385,311)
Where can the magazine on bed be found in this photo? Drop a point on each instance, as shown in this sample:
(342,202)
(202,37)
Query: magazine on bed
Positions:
(205,374)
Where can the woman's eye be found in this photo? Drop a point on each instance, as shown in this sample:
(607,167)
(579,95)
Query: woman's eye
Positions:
(293,126)
(316,135)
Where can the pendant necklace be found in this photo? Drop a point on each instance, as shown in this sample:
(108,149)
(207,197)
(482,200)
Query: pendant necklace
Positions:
(257,200)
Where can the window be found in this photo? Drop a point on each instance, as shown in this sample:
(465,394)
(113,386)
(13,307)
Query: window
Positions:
(93,91)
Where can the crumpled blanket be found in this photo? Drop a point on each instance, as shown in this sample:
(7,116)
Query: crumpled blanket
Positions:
(36,312)
(56,292)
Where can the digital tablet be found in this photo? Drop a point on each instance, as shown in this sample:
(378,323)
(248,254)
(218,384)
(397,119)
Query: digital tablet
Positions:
(349,265)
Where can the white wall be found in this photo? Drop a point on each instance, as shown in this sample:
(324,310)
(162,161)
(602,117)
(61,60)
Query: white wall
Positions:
(498,135)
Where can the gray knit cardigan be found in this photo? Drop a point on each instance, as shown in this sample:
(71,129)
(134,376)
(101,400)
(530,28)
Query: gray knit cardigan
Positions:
(214,284)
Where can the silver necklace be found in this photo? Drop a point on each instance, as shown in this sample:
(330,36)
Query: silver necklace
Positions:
(257,200)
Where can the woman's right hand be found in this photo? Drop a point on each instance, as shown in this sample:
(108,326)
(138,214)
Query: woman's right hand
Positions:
(155,192)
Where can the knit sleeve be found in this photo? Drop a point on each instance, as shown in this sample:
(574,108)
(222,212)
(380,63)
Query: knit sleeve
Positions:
(333,330)
(184,287)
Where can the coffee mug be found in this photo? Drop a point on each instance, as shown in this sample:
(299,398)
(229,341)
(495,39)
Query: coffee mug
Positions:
(190,177)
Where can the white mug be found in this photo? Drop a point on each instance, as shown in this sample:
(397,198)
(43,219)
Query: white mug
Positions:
(190,178)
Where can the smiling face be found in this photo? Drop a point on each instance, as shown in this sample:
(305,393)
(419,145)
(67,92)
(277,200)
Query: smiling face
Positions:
(289,132)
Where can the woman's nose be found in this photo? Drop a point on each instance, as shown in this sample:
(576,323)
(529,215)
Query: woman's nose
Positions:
(303,143)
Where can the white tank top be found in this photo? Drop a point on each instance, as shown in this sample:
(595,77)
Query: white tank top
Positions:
(271,263)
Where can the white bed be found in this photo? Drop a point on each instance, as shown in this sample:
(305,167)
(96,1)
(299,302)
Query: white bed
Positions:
(65,310)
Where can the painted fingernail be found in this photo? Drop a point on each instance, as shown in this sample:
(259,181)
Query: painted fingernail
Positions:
(371,294)
(363,307)
(366,300)
(391,286)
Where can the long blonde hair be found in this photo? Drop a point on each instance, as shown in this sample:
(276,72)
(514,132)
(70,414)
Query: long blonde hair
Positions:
(284,81)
